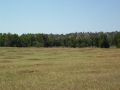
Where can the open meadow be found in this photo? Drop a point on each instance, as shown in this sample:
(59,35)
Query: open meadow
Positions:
(59,69)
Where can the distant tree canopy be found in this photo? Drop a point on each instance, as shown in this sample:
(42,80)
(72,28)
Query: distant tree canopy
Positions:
(100,39)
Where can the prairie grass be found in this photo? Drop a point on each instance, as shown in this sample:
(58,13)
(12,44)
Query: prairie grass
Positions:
(59,69)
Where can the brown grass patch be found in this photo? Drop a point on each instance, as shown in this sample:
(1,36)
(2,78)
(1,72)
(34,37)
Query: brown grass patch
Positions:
(28,71)
(5,61)
(33,59)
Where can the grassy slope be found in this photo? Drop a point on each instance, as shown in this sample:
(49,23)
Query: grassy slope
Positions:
(59,69)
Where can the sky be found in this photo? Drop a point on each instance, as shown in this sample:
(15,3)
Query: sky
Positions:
(59,16)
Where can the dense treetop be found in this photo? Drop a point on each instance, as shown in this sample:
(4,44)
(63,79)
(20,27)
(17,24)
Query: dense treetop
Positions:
(88,39)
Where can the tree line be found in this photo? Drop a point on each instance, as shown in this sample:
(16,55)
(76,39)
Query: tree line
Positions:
(88,39)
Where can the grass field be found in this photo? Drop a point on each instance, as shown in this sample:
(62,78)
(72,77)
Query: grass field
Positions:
(59,69)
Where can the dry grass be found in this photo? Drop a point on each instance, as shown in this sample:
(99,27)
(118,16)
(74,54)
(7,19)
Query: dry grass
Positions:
(59,69)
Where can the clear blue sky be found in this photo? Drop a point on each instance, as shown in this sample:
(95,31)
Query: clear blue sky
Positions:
(59,16)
